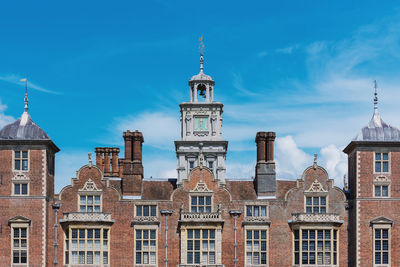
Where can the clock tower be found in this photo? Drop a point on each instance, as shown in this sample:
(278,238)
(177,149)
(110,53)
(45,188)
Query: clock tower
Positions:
(201,122)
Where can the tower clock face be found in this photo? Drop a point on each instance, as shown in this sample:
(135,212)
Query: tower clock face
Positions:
(200,124)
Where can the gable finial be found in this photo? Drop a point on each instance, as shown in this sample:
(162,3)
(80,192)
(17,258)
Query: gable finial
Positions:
(26,93)
(375,97)
(315,161)
(201,47)
(90,159)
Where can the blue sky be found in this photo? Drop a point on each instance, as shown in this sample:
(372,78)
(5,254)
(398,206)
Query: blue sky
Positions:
(304,69)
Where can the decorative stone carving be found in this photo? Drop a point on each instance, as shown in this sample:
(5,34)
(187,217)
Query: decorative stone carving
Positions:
(201,187)
(188,121)
(200,133)
(89,186)
(316,187)
(146,219)
(213,125)
(20,176)
(382,179)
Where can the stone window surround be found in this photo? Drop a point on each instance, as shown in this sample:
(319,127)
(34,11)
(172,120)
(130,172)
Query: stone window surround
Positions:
(88,193)
(203,194)
(20,225)
(389,161)
(379,225)
(255,227)
(20,182)
(256,205)
(383,181)
(316,194)
(145,203)
(145,227)
(68,239)
(13,160)
(218,242)
(316,227)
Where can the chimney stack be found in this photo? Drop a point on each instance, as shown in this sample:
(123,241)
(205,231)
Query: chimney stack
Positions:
(265,181)
(104,162)
(131,165)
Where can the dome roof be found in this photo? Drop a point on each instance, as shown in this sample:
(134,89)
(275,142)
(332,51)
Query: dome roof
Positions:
(23,129)
(201,77)
(378,130)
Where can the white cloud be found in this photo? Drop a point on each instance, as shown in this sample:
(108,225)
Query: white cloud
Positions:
(15,79)
(336,163)
(159,129)
(4,119)
(288,49)
(291,161)
(67,163)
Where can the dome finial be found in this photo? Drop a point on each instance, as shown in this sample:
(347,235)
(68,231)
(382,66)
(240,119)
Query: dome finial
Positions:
(375,97)
(201,47)
(26,93)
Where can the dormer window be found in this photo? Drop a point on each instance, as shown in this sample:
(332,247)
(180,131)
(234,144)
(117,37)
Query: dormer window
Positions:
(316,204)
(381,162)
(200,203)
(21,160)
(90,203)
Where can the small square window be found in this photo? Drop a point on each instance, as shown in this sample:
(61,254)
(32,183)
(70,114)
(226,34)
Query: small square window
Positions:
(20,189)
(381,190)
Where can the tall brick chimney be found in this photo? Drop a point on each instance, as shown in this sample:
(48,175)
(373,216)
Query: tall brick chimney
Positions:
(131,165)
(106,163)
(265,181)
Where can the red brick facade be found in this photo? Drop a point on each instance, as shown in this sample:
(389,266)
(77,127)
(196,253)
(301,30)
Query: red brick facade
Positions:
(110,215)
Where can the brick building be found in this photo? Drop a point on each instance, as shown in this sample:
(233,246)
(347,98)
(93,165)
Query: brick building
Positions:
(110,215)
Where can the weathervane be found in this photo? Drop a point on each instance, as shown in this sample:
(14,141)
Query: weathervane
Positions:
(201,45)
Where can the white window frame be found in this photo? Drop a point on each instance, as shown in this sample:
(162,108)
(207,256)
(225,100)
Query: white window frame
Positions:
(381,160)
(68,239)
(203,194)
(375,184)
(93,194)
(19,225)
(149,228)
(332,251)
(259,208)
(218,242)
(314,195)
(20,183)
(145,204)
(256,228)
(381,227)
(14,159)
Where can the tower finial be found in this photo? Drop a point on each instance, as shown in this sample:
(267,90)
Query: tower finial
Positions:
(26,93)
(375,97)
(201,47)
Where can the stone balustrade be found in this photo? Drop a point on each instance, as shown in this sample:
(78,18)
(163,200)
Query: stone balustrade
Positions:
(315,218)
(201,217)
(86,217)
